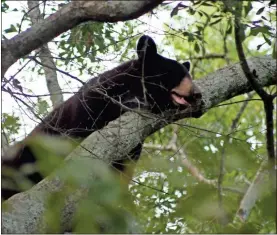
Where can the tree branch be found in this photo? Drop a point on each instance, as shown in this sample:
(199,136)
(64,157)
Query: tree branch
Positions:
(46,58)
(66,18)
(251,77)
(110,144)
(255,191)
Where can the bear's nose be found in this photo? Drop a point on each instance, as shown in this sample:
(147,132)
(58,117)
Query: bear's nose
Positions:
(196,93)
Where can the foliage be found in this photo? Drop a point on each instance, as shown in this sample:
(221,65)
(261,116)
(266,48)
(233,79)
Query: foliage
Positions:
(167,198)
(105,208)
(10,123)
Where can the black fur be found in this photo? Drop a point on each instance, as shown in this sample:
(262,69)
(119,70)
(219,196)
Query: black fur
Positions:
(98,102)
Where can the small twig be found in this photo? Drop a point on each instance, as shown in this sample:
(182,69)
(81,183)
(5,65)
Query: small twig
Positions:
(18,71)
(220,177)
(41,95)
(208,57)
(236,102)
(59,70)
(225,48)
(242,108)
(144,50)
(193,170)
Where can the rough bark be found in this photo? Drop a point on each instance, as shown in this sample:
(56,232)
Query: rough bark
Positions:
(255,191)
(46,59)
(23,212)
(66,18)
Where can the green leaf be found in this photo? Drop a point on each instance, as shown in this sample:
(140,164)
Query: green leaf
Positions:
(257,30)
(186,34)
(215,22)
(42,106)
(174,11)
(4,6)
(205,13)
(10,123)
(260,11)
(264,18)
(200,28)
(10,120)
(217,16)
(12,29)
(248,8)
(267,40)
(191,11)
(207,4)
(259,46)
(230,29)
(196,47)
(191,38)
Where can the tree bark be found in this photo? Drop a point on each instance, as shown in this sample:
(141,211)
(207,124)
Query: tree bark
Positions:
(66,18)
(46,59)
(23,212)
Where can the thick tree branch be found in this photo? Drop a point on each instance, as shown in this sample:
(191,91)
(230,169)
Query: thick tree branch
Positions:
(109,144)
(66,18)
(255,192)
(47,59)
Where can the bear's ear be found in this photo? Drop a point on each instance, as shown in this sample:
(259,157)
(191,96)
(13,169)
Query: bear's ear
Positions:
(146,46)
(187,65)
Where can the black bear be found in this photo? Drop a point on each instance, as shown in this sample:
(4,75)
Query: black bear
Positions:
(151,81)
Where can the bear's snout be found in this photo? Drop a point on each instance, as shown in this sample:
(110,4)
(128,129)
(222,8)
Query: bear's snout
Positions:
(196,93)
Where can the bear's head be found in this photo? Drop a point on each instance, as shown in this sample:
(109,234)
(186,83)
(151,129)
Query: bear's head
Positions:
(166,82)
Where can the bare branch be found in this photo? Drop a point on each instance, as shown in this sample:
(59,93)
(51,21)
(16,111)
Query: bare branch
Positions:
(193,170)
(240,112)
(208,57)
(59,70)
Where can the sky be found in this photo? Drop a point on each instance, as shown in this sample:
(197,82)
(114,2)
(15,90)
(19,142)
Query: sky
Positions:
(37,83)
